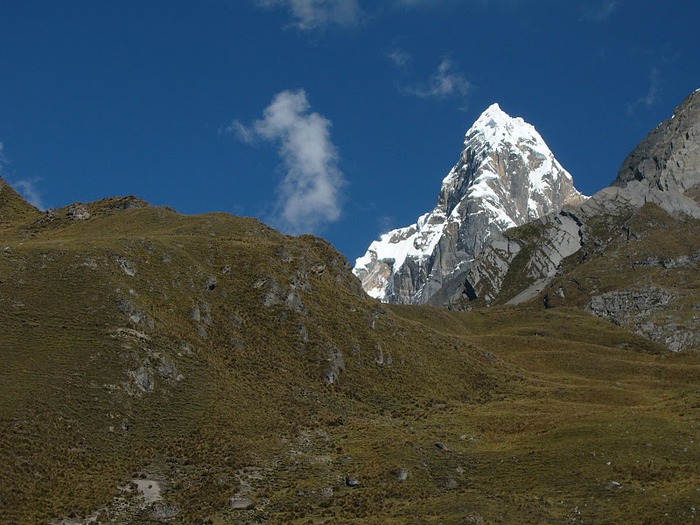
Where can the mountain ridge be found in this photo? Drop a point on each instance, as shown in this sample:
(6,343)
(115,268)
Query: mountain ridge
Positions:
(506,175)
(660,176)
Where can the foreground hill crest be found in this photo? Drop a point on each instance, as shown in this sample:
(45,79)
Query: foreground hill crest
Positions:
(506,176)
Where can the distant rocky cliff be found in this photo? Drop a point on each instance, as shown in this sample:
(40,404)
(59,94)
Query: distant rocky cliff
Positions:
(506,176)
(631,253)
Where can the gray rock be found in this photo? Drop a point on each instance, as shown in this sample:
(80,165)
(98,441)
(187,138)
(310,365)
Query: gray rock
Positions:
(665,167)
(352,481)
(402,474)
(241,503)
(143,379)
(294,301)
(274,293)
(548,242)
(621,307)
(127,266)
(168,370)
(164,511)
(383,358)
(236,321)
(336,365)
(78,212)
(205,310)
(642,311)
(134,314)
(196,314)
(186,349)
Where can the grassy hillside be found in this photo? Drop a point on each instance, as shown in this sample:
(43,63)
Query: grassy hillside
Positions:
(13,208)
(640,271)
(157,368)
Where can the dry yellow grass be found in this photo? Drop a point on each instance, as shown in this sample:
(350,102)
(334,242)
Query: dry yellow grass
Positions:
(195,351)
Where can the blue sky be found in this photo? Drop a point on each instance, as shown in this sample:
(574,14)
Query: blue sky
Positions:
(339,117)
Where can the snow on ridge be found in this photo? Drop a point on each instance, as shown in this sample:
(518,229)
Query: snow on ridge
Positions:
(478,179)
(493,128)
(417,241)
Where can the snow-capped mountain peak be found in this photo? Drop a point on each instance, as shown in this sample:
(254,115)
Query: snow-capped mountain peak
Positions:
(506,176)
(496,126)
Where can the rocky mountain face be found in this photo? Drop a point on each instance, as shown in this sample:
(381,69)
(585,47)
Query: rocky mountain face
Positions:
(631,251)
(665,167)
(506,176)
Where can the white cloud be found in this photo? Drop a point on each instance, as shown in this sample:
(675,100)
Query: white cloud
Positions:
(399,58)
(27,188)
(318,14)
(446,82)
(309,196)
(649,99)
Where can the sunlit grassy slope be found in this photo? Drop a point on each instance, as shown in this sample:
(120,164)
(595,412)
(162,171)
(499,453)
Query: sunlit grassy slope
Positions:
(216,358)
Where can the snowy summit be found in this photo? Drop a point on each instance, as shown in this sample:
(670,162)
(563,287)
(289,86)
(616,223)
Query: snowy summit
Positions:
(506,176)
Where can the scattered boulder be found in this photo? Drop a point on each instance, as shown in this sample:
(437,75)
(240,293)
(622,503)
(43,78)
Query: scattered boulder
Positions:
(336,365)
(274,294)
(143,379)
(402,474)
(149,489)
(294,301)
(352,481)
(241,503)
(201,313)
(382,358)
(168,370)
(128,267)
(135,314)
(78,212)
(164,511)
(304,334)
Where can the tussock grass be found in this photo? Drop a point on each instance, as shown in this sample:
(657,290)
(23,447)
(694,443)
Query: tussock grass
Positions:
(506,415)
